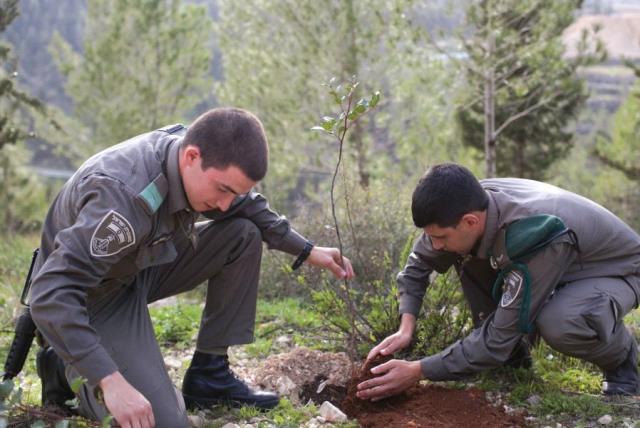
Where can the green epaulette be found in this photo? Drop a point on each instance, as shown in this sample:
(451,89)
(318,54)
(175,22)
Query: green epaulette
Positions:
(515,243)
(154,194)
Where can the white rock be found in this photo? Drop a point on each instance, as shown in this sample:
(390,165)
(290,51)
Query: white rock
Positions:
(285,385)
(172,363)
(230,425)
(196,421)
(283,340)
(331,413)
(605,420)
(534,400)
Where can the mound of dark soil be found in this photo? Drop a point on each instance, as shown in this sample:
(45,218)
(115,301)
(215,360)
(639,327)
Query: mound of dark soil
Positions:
(424,406)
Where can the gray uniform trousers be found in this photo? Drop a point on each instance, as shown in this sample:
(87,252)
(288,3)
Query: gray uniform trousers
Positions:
(228,256)
(582,318)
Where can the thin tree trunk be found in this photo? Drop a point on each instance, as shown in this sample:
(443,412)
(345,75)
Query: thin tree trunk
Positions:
(490,114)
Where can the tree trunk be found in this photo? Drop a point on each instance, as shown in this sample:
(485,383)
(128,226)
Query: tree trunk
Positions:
(352,69)
(490,113)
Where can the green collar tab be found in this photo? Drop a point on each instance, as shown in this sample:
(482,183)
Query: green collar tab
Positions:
(154,194)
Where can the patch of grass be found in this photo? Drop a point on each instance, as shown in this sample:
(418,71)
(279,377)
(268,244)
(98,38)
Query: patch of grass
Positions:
(582,405)
(15,259)
(567,387)
(176,324)
(561,372)
(261,347)
(285,317)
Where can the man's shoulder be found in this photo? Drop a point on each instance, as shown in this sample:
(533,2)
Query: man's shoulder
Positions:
(137,164)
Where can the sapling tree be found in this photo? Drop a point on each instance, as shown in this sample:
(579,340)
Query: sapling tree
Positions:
(337,125)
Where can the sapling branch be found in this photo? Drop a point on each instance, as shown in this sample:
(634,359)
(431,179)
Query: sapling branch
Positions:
(338,127)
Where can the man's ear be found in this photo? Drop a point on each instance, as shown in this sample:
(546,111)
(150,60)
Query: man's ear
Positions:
(471,219)
(190,154)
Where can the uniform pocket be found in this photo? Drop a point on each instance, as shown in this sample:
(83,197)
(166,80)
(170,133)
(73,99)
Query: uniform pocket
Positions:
(602,315)
(156,254)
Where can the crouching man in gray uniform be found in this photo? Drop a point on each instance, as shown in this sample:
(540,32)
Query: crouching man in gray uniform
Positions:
(122,233)
(530,257)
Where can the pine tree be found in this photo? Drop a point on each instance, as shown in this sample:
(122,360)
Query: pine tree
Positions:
(13,102)
(522,93)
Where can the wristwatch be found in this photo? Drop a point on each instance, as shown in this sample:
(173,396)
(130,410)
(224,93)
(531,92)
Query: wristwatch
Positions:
(308,246)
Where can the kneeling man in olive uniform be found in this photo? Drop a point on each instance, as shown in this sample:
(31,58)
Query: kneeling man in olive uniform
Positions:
(532,259)
(122,233)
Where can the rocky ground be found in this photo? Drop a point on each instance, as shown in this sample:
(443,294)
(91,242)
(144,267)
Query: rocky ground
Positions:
(302,374)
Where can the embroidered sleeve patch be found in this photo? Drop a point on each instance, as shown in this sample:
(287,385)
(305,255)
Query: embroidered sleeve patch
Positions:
(112,235)
(512,285)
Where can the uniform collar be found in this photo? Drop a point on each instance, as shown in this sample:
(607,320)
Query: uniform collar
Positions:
(177,197)
(490,229)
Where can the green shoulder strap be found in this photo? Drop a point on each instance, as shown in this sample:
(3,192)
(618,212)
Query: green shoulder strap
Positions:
(516,242)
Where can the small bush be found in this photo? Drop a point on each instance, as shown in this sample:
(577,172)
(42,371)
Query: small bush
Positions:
(377,235)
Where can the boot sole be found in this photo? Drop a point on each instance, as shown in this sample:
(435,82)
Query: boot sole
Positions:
(199,403)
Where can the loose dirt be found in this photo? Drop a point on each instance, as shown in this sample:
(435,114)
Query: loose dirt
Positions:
(424,406)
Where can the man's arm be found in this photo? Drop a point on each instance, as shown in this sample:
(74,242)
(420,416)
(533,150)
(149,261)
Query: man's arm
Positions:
(276,229)
(491,345)
(96,225)
(278,233)
(412,284)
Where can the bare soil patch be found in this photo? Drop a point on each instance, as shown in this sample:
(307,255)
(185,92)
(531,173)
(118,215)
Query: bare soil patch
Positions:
(424,406)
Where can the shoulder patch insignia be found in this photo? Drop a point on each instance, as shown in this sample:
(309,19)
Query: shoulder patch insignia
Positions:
(112,235)
(512,286)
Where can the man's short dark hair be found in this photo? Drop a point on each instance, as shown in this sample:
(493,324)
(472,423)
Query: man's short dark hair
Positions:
(230,136)
(445,194)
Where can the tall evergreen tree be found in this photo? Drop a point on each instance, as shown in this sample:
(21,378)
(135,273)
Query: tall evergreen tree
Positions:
(13,101)
(522,93)
(145,63)
(19,191)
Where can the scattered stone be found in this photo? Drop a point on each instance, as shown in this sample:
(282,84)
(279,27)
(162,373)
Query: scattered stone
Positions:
(196,421)
(285,386)
(331,413)
(230,425)
(534,400)
(172,362)
(283,341)
(605,420)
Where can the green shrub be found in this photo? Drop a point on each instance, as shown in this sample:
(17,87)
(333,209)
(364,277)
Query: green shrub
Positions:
(377,235)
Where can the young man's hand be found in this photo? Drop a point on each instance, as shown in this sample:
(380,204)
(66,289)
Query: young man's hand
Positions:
(392,378)
(128,406)
(398,340)
(329,258)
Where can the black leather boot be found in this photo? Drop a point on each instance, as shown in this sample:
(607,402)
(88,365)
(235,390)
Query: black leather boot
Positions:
(55,388)
(210,381)
(624,379)
(520,357)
